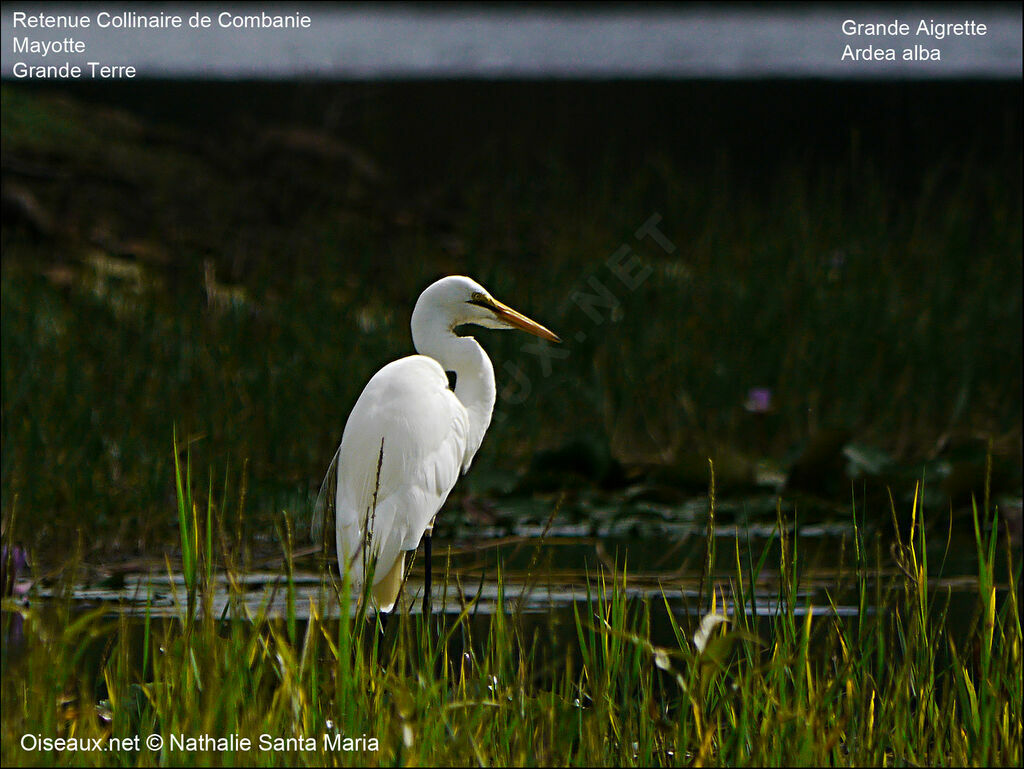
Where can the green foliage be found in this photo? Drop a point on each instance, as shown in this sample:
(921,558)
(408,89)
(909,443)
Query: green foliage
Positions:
(872,291)
(900,682)
(247,282)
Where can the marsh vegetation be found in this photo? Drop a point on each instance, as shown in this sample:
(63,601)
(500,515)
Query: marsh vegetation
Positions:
(198,281)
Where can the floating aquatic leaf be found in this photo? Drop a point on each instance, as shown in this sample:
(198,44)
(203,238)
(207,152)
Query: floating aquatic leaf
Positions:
(865,460)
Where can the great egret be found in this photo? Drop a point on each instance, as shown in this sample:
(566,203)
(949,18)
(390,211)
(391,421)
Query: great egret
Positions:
(417,423)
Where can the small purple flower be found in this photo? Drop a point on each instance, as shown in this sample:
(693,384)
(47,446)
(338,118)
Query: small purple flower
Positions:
(759,400)
(12,562)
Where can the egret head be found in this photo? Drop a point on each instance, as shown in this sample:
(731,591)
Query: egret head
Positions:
(458,300)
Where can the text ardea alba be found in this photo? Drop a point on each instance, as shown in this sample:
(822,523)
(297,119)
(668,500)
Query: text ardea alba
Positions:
(409,436)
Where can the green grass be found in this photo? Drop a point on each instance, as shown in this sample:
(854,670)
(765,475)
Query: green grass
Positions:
(856,249)
(874,287)
(902,682)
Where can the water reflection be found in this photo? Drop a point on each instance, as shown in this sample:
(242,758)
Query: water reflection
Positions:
(268,594)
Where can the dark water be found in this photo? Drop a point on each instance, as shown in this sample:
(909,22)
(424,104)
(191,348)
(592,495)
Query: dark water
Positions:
(545,576)
(535,569)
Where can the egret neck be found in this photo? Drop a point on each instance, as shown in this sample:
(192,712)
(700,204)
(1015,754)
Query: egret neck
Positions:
(474,374)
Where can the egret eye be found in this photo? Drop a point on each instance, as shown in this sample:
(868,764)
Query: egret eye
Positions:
(481,301)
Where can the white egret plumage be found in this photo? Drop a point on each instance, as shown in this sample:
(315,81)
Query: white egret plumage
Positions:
(411,434)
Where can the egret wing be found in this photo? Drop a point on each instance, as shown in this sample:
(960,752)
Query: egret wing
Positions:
(400,456)
(323,508)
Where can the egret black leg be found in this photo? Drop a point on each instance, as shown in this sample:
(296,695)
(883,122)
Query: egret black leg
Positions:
(426,582)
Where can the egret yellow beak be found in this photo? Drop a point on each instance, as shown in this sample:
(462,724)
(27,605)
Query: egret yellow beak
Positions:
(507,315)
